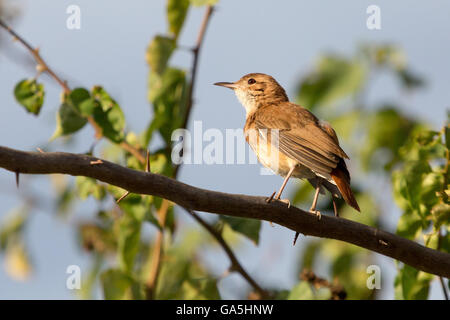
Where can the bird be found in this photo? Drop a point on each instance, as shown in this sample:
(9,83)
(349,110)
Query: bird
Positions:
(291,141)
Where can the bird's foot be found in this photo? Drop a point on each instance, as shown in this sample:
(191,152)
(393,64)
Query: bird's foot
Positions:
(285,201)
(272,198)
(317,213)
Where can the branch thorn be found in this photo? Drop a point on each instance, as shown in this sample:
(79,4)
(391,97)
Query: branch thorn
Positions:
(17,178)
(96,162)
(123,197)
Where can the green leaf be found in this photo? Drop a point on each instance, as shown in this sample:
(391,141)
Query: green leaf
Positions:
(89,186)
(117,285)
(137,206)
(247,227)
(432,240)
(159,52)
(108,115)
(176,13)
(388,130)
(334,78)
(68,120)
(409,79)
(385,56)
(129,240)
(410,186)
(89,282)
(303,193)
(200,289)
(12,226)
(302,291)
(166,87)
(168,94)
(199,3)
(82,100)
(432,183)
(182,275)
(346,124)
(441,214)
(425,137)
(30,94)
(414,284)
(409,224)
(445,244)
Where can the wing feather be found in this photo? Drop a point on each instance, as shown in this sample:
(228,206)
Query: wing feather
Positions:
(300,136)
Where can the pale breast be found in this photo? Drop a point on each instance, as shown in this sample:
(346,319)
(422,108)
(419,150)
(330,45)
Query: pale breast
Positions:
(271,158)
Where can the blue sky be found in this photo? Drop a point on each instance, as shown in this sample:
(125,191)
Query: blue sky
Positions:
(279,38)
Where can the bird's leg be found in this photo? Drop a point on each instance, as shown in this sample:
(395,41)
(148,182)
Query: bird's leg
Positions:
(336,214)
(313,208)
(278,196)
(314,204)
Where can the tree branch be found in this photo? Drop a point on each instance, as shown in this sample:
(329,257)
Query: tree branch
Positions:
(407,251)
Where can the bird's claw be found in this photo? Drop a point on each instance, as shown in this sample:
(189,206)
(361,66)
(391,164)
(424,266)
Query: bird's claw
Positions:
(317,213)
(272,198)
(285,201)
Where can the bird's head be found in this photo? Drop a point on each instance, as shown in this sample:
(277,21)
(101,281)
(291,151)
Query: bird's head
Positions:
(255,90)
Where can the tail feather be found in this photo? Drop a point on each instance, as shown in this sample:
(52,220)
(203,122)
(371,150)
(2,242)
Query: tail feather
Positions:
(341,176)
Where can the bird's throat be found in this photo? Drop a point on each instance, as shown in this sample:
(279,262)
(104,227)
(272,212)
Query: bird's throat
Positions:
(248,101)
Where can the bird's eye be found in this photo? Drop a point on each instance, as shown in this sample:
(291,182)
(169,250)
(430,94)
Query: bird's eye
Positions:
(251,81)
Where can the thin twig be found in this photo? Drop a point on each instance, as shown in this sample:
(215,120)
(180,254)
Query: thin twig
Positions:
(235,264)
(441,280)
(147,162)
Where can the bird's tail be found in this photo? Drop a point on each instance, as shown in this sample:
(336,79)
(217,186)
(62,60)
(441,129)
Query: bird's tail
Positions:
(341,176)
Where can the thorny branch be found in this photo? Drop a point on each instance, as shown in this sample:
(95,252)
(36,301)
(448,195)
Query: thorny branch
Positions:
(187,196)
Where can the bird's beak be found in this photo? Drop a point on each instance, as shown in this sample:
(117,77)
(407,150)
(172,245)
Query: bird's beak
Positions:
(230,85)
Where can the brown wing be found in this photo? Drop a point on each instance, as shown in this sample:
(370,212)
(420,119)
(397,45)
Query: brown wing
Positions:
(301,136)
